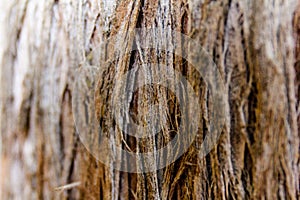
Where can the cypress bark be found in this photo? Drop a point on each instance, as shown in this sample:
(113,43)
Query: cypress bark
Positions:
(255,46)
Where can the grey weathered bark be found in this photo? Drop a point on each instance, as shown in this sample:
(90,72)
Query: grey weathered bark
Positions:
(252,43)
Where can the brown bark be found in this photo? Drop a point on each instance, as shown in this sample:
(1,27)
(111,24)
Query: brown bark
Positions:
(253,46)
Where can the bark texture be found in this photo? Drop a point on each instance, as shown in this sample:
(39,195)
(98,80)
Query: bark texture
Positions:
(255,45)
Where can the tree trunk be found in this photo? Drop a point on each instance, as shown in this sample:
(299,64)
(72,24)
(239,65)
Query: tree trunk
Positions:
(46,46)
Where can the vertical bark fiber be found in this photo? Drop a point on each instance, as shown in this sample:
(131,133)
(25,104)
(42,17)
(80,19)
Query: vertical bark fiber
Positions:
(255,45)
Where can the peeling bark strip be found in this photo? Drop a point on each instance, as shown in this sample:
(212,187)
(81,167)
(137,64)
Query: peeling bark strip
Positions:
(252,43)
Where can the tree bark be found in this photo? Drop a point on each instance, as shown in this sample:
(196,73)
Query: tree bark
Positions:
(255,46)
